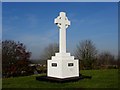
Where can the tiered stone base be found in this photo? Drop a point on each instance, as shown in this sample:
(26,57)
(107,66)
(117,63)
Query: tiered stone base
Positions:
(62,65)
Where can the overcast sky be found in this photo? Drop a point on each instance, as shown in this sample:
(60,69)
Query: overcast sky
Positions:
(33,24)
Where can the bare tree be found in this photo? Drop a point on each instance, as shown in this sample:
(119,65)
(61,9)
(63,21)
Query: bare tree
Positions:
(49,51)
(86,52)
(106,58)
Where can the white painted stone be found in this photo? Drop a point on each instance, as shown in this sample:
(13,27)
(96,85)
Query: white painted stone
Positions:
(62,59)
(63,23)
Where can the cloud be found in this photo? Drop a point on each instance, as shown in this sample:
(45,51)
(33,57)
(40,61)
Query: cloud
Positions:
(30,32)
(37,42)
(36,33)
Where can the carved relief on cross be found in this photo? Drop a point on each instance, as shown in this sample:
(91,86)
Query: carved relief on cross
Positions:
(62,22)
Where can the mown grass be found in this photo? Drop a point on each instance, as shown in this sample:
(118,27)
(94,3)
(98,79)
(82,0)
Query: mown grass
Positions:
(100,79)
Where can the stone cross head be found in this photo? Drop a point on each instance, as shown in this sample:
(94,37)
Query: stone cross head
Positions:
(62,21)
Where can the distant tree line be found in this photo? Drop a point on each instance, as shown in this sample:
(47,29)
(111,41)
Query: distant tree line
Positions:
(16,59)
(88,56)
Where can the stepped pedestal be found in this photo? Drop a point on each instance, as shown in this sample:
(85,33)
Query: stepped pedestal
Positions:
(62,65)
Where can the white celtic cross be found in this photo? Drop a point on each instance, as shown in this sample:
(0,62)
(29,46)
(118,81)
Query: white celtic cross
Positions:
(63,23)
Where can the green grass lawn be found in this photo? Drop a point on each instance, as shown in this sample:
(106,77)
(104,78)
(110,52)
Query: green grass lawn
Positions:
(100,79)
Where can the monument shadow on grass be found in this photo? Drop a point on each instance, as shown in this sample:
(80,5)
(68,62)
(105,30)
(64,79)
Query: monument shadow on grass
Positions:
(60,80)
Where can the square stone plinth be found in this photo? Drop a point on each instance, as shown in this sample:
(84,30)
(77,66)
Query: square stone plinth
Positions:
(62,65)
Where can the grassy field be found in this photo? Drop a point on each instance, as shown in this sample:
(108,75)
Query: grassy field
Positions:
(100,79)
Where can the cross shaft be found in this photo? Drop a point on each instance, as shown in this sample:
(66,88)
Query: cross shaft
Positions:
(63,23)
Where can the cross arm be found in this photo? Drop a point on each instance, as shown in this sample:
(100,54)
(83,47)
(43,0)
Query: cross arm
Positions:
(57,21)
